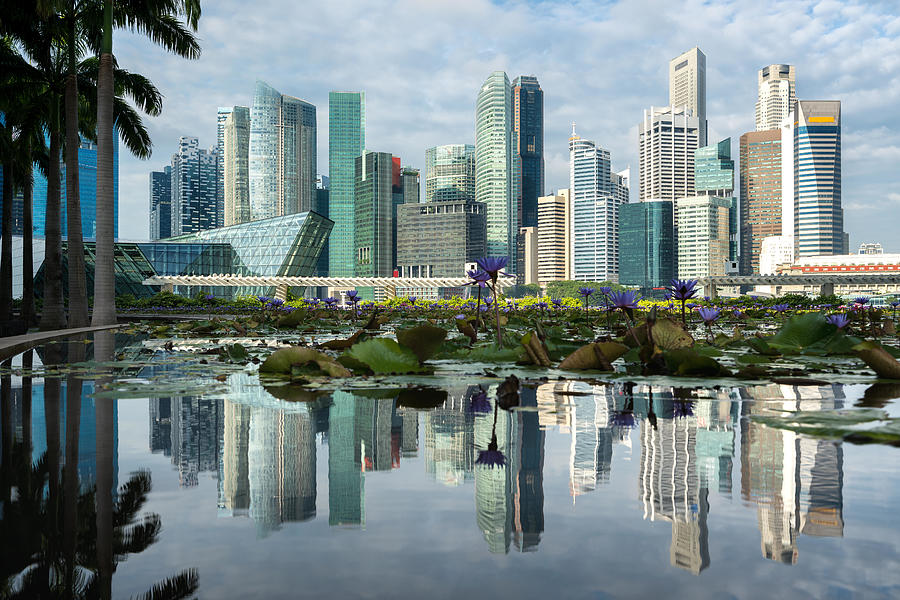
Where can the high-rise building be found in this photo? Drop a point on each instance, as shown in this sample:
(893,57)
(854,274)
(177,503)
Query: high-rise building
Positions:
(450,173)
(704,235)
(460,225)
(554,237)
(818,216)
(161,204)
(495,165)
(373,239)
(527,249)
(667,139)
(760,193)
(528,128)
(777,94)
(346,143)
(193,187)
(647,244)
(714,176)
(411,185)
(322,190)
(687,86)
(282,154)
(221,119)
(595,212)
(236,166)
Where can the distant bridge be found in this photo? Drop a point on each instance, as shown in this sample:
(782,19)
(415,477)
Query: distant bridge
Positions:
(282,284)
(825,281)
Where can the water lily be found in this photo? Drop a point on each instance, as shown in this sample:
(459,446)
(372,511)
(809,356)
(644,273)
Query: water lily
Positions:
(492,265)
(624,300)
(861,300)
(709,315)
(586,291)
(780,308)
(683,290)
(838,320)
(480,403)
(330,302)
(263,299)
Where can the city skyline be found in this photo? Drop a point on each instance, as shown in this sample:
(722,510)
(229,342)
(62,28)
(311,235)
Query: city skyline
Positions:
(442,113)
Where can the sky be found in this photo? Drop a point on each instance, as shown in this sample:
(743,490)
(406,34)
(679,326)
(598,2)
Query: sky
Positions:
(600,64)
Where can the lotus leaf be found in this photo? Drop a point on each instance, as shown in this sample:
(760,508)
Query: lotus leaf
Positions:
(424,340)
(384,355)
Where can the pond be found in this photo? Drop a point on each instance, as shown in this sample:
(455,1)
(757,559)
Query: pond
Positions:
(425,487)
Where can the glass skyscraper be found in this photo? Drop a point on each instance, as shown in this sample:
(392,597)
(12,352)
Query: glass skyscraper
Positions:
(282,154)
(528,126)
(221,118)
(161,204)
(495,165)
(346,142)
(373,214)
(646,244)
(714,169)
(450,173)
(818,216)
(236,168)
(194,187)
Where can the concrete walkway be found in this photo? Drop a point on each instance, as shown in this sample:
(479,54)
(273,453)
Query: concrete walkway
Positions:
(10,346)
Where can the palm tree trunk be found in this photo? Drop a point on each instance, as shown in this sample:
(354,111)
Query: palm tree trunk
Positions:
(104,268)
(104,343)
(28,249)
(6,434)
(52,387)
(53,315)
(78,305)
(6,249)
(70,475)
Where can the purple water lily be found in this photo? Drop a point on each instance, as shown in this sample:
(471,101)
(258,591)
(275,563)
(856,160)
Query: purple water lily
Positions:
(861,300)
(709,315)
(480,403)
(492,457)
(838,320)
(492,265)
(624,300)
(586,291)
(683,289)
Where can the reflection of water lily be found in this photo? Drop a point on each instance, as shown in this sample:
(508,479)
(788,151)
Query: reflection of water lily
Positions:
(623,419)
(492,457)
(683,409)
(480,403)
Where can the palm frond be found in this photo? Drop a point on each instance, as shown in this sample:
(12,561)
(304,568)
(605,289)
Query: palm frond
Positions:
(182,585)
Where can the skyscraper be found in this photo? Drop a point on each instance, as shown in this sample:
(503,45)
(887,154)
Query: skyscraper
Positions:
(667,139)
(450,173)
(373,210)
(236,167)
(528,128)
(595,211)
(346,142)
(760,193)
(161,204)
(554,237)
(647,244)
(221,118)
(459,225)
(411,185)
(777,94)
(193,187)
(687,86)
(704,235)
(282,154)
(818,216)
(495,165)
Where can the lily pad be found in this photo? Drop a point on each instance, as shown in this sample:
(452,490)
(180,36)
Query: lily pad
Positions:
(586,357)
(384,355)
(283,361)
(667,335)
(878,359)
(424,340)
(685,362)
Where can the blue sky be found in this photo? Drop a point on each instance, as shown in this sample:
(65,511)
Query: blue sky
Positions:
(600,64)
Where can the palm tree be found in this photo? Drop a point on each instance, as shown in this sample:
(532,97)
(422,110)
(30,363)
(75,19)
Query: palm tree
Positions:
(158,19)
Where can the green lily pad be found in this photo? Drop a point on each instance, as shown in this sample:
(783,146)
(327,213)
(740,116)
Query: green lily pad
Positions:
(686,362)
(878,359)
(384,355)
(283,361)
(586,357)
(423,340)
(667,335)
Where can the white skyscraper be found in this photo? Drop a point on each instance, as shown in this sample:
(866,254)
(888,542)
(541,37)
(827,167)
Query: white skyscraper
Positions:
(596,197)
(777,94)
(194,187)
(495,165)
(236,173)
(221,117)
(667,139)
(687,85)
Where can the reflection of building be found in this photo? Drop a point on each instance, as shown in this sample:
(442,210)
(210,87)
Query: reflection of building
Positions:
(795,481)
(528,478)
(593,435)
(493,487)
(450,441)
(194,428)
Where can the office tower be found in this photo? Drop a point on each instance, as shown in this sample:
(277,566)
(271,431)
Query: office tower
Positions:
(461,227)
(282,154)
(647,244)
(621,185)
(818,216)
(235,478)
(161,204)
(373,208)
(595,211)
(236,166)
(495,165)
(221,119)
(397,198)
(590,457)
(193,187)
(346,143)
(322,199)
(196,427)
(687,86)
(410,184)
(667,139)
(450,173)
(704,235)
(760,194)
(554,237)
(714,176)
(527,249)
(528,128)
(777,94)
(870,248)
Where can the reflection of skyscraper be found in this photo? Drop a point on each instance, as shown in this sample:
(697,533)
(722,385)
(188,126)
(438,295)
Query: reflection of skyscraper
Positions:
(409,432)
(196,428)
(716,420)
(528,482)
(161,425)
(345,474)
(235,475)
(450,441)
(590,458)
(493,497)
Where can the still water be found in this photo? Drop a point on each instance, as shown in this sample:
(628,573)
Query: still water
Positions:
(593,490)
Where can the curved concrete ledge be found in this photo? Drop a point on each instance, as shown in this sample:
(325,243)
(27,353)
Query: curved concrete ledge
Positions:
(10,346)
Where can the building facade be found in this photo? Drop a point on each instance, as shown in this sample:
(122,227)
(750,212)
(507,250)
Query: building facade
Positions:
(528,128)
(704,235)
(595,212)
(194,188)
(373,213)
(527,249)
(777,94)
(667,139)
(450,173)
(346,143)
(221,118)
(554,237)
(495,165)
(460,226)
(687,86)
(161,204)
(760,194)
(647,256)
(236,166)
(411,183)
(818,214)
(282,154)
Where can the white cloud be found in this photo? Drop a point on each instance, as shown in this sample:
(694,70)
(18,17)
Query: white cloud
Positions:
(421,64)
